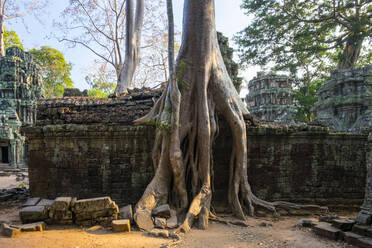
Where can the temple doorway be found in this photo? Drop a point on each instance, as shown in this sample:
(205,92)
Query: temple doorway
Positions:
(4,155)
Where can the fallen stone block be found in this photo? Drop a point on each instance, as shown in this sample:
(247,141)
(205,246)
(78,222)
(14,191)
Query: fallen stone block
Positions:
(327,230)
(9,231)
(46,202)
(160,223)
(343,224)
(364,218)
(351,238)
(364,242)
(172,222)
(33,227)
(31,202)
(360,229)
(94,205)
(121,225)
(126,213)
(162,211)
(159,233)
(60,215)
(62,203)
(33,214)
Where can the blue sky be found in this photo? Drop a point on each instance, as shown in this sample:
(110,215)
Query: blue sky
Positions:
(230,19)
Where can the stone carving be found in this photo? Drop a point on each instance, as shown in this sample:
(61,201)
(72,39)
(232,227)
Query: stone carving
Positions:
(20,87)
(345,101)
(271,98)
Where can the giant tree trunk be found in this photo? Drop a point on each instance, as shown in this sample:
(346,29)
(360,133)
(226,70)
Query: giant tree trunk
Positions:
(351,52)
(134,24)
(187,126)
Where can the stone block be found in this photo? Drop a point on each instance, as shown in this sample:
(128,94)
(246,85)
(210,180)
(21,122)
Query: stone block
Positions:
(351,238)
(126,213)
(360,229)
(364,242)
(327,230)
(94,205)
(363,218)
(172,222)
(121,225)
(57,216)
(160,222)
(343,224)
(9,231)
(62,203)
(33,214)
(31,202)
(46,202)
(162,211)
(33,227)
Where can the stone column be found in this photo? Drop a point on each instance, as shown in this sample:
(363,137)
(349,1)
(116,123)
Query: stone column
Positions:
(365,215)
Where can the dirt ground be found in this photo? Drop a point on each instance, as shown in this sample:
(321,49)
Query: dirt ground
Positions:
(261,233)
(264,233)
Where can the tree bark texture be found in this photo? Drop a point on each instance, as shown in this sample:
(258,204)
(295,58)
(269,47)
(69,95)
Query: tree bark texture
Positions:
(351,52)
(187,126)
(134,22)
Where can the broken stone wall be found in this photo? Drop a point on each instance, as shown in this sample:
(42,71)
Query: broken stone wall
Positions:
(107,155)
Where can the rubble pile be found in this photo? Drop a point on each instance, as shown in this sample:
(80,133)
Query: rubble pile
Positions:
(78,110)
(347,230)
(68,211)
(14,194)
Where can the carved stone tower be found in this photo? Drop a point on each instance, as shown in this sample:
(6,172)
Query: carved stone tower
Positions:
(20,87)
(271,98)
(345,101)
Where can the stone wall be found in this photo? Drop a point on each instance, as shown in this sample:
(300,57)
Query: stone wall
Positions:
(110,156)
(300,164)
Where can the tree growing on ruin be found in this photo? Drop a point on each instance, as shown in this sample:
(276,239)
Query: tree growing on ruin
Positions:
(186,116)
(292,32)
(55,71)
(12,9)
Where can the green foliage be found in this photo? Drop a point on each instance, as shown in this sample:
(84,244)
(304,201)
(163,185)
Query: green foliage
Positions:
(54,69)
(227,55)
(306,98)
(11,39)
(295,33)
(100,87)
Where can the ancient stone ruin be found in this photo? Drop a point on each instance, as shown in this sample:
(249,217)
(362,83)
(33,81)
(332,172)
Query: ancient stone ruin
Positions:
(271,98)
(345,101)
(20,87)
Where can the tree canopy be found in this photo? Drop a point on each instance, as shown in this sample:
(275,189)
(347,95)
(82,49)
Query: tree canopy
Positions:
(292,33)
(11,39)
(55,70)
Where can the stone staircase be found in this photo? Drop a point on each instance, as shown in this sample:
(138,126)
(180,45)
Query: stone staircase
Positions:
(345,230)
